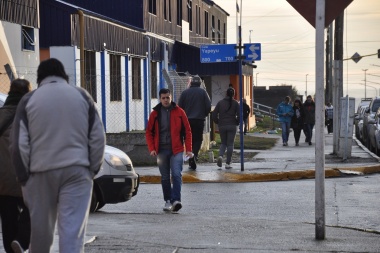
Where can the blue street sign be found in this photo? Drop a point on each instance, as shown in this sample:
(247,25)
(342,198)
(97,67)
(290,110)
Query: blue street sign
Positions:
(252,52)
(218,53)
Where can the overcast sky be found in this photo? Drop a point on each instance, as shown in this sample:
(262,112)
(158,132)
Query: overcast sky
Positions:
(288,43)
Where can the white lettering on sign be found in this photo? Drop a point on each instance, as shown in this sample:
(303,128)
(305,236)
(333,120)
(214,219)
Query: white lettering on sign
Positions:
(210,51)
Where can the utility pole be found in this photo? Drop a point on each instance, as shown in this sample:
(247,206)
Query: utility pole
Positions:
(329,58)
(250,31)
(338,78)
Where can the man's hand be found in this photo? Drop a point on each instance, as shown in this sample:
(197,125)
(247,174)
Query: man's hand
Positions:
(189,154)
(153,153)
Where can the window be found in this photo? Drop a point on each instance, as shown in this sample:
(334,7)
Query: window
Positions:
(165,11)
(153,74)
(206,24)
(196,20)
(170,11)
(218,31)
(179,12)
(27,35)
(224,34)
(90,73)
(153,6)
(115,77)
(190,14)
(136,78)
(213,27)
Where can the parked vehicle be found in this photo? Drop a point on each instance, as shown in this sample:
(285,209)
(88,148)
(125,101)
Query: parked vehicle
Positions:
(374,133)
(359,117)
(116,180)
(368,115)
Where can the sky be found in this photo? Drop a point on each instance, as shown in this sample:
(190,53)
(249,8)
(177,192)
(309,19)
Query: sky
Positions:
(288,44)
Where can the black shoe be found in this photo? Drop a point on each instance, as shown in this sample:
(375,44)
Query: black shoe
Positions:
(309,142)
(192,164)
(176,206)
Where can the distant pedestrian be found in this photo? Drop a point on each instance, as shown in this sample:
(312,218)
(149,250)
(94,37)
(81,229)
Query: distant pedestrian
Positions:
(285,113)
(309,107)
(329,116)
(57,147)
(246,112)
(197,104)
(15,220)
(167,131)
(227,115)
(297,120)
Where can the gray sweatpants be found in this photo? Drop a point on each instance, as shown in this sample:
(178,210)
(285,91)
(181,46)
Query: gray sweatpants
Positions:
(227,138)
(65,193)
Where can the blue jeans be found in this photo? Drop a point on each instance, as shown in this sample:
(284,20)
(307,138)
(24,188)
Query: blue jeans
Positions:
(309,132)
(169,163)
(285,127)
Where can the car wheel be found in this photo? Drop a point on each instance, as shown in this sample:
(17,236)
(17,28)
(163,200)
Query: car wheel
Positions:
(94,206)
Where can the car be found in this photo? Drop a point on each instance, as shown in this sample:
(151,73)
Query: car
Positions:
(364,103)
(116,181)
(369,114)
(374,133)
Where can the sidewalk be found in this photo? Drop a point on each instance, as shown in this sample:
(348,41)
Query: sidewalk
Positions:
(279,163)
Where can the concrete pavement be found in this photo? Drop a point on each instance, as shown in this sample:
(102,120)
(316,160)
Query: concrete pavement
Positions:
(279,163)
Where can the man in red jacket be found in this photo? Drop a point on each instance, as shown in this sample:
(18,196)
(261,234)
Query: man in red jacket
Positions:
(167,132)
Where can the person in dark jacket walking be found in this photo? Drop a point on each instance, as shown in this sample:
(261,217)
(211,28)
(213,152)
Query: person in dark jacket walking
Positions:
(197,104)
(246,112)
(167,132)
(15,219)
(297,120)
(227,115)
(309,121)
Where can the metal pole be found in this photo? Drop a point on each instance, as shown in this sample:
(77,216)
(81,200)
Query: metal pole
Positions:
(306,87)
(365,83)
(319,122)
(81,49)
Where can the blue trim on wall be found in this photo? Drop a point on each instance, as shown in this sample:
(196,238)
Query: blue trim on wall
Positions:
(103,86)
(146,100)
(126,94)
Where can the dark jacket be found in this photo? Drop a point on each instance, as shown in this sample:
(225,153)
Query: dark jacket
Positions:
(298,117)
(8,183)
(195,102)
(309,108)
(224,116)
(246,110)
(180,131)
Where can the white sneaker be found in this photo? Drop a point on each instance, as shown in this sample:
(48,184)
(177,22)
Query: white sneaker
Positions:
(219,161)
(176,206)
(228,166)
(168,206)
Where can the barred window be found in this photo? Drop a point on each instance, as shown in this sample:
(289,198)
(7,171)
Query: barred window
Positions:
(179,12)
(136,78)
(190,14)
(153,6)
(27,38)
(90,73)
(115,77)
(153,71)
(206,24)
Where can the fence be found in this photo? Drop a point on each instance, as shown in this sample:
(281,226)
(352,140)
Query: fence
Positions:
(124,102)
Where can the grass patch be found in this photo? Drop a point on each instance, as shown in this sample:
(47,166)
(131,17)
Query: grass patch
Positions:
(265,123)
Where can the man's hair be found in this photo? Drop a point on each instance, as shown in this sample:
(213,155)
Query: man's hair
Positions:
(287,98)
(21,86)
(51,67)
(164,91)
(196,81)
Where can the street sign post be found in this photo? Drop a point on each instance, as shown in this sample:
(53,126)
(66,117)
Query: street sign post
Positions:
(227,53)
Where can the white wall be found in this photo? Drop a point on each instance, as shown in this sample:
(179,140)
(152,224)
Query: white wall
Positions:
(219,86)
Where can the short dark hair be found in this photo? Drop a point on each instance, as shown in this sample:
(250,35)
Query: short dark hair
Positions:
(164,91)
(21,86)
(51,67)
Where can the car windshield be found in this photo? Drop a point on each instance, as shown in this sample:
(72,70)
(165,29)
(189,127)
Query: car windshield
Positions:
(376,105)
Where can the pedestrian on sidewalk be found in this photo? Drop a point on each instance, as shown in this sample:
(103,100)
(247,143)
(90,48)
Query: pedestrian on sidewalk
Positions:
(246,112)
(329,113)
(227,116)
(57,147)
(285,113)
(297,120)
(197,104)
(309,108)
(15,219)
(167,131)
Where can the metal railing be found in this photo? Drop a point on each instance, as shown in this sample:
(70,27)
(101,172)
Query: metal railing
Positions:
(265,110)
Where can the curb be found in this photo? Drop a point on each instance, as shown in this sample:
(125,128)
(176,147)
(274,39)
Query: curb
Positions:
(229,177)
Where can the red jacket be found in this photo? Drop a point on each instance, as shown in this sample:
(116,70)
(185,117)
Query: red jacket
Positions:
(180,130)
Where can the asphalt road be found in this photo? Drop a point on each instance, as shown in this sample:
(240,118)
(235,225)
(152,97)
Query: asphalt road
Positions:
(243,217)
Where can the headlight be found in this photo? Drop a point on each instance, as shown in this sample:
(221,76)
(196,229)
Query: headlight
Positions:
(117,163)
